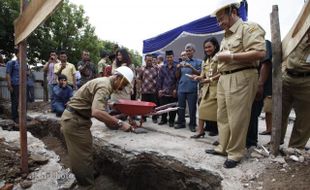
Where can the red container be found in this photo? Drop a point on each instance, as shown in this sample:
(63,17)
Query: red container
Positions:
(134,107)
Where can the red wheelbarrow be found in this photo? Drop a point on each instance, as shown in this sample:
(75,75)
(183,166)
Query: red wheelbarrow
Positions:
(134,108)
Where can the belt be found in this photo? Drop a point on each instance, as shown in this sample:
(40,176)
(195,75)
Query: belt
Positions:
(236,70)
(293,73)
(72,110)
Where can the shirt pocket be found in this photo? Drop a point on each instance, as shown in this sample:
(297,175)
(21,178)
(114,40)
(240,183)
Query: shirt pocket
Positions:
(236,44)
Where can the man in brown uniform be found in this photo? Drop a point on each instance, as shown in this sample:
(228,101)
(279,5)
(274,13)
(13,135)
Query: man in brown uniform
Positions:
(90,101)
(241,49)
(296,93)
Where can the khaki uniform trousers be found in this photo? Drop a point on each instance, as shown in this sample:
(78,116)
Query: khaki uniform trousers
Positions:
(76,131)
(296,94)
(235,95)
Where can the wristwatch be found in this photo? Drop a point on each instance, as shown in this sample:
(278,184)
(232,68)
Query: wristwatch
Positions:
(119,123)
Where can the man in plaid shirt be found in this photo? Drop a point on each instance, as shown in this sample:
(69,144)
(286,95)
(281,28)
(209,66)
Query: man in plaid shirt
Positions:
(147,77)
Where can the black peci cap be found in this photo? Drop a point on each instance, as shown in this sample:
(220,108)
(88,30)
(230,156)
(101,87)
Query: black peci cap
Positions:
(169,52)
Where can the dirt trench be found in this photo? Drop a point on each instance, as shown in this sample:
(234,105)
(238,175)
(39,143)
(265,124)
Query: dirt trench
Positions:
(118,169)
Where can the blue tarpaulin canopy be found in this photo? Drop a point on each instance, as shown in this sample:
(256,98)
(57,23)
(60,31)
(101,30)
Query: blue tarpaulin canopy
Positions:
(194,32)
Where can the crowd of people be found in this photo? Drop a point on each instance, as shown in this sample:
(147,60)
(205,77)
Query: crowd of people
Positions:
(231,86)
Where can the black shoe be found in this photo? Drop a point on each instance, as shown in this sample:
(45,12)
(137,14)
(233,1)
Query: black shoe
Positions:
(215,143)
(179,126)
(212,151)
(171,124)
(230,163)
(162,122)
(154,120)
(192,129)
(200,135)
(212,134)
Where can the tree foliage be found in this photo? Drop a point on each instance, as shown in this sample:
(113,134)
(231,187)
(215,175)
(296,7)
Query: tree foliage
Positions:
(9,10)
(67,29)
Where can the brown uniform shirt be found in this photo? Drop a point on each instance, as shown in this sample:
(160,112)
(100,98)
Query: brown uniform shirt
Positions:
(93,94)
(242,37)
(208,70)
(299,59)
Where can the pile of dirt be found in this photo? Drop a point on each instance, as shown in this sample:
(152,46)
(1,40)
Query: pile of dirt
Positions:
(10,172)
(43,107)
(9,163)
(283,172)
(294,176)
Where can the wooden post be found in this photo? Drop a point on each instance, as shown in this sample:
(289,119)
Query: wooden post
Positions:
(31,15)
(22,98)
(276,81)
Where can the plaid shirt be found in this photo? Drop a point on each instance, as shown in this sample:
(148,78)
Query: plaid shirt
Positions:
(148,76)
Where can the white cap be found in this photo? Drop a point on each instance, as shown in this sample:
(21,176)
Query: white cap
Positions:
(224,4)
(126,72)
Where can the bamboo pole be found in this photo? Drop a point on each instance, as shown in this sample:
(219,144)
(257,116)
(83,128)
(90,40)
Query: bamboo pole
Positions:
(22,98)
(276,81)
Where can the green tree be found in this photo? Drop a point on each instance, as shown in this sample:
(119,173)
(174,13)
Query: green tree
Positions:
(9,10)
(66,29)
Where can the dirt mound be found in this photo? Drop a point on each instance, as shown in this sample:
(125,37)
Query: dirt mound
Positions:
(9,163)
(284,175)
(42,107)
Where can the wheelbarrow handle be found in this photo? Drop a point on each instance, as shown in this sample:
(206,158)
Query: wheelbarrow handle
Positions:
(174,104)
(164,111)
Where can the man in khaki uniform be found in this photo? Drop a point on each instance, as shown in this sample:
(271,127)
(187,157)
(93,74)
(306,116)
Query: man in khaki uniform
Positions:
(90,101)
(241,49)
(296,93)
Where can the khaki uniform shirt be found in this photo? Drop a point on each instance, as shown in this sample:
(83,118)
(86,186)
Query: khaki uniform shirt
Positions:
(208,70)
(299,59)
(69,71)
(94,94)
(242,37)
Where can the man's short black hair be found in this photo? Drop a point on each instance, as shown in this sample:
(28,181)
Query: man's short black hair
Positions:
(61,77)
(53,51)
(103,54)
(63,52)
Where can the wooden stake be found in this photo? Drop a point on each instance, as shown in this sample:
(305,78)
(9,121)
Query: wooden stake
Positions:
(276,81)
(22,99)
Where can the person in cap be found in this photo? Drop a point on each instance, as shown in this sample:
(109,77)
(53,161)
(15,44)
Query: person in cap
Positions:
(61,94)
(241,49)
(296,93)
(166,86)
(91,101)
